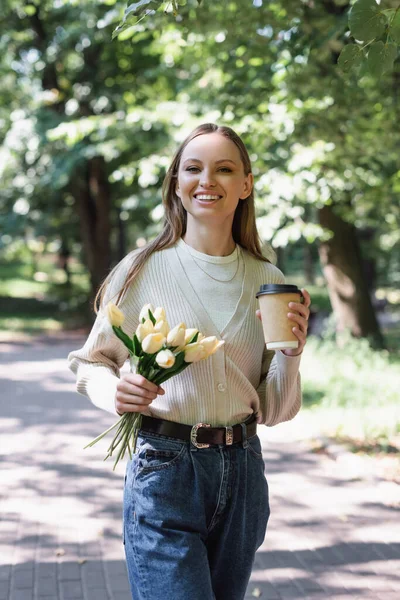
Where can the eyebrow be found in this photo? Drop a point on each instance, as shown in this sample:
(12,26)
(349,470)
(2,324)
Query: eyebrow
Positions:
(216,162)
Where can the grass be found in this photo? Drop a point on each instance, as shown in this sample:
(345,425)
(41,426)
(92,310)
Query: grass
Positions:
(41,301)
(352,392)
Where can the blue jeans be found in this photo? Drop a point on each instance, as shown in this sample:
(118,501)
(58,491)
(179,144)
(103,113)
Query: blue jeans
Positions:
(193,518)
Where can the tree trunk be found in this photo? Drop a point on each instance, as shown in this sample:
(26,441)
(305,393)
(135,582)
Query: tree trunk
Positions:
(121,237)
(63,261)
(280,258)
(308,263)
(91,191)
(342,266)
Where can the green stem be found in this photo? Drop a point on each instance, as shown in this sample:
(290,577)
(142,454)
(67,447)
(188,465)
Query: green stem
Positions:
(118,436)
(122,449)
(104,433)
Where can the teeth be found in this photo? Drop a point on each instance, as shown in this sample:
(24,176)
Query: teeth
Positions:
(204,197)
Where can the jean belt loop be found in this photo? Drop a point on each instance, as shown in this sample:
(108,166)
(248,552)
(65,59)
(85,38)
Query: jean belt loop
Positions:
(245,443)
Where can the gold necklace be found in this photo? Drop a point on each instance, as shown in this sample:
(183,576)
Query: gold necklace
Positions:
(215,279)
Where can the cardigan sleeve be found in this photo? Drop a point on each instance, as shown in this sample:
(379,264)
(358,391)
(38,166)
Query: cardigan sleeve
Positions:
(279,389)
(97,364)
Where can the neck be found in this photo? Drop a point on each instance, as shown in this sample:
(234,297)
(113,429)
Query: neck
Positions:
(212,245)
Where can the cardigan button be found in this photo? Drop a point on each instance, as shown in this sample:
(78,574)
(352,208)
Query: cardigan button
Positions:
(221,387)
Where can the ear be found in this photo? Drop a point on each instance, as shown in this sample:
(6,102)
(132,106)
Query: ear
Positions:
(177,190)
(247,186)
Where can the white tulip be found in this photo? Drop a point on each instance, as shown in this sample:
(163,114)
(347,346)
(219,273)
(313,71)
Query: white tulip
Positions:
(115,315)
(144,313)
(144,329)
(165,359)
(189,334)
(159,314)
(211,344)
(153,343)
(161,327)
(176,337)
(217,346)
(194,352)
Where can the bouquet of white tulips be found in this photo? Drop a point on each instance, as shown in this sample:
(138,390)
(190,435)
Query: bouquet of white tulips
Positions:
(157,353)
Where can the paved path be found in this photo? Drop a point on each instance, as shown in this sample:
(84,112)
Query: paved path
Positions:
(334,530)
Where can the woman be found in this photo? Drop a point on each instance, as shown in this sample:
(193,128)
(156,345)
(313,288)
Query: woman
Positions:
(196,506)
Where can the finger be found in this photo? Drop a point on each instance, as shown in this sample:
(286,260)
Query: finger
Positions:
(300,336)
(129,399)
(146,384)
(141,382)
(302,322)
(135,391)
(127,408)
(303,310)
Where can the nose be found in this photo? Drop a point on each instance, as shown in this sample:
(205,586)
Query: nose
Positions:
(206,179)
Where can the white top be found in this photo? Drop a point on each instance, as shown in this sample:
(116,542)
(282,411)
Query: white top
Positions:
(241,377)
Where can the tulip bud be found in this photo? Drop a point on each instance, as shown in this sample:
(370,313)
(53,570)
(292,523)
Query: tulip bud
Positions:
(189,334)
(159,314)
(144,329)
(216,347)
(144,313)
(176,337)
(194,352)
(114,315)
(209,343)
(153,343)
(161,327)
(165,359)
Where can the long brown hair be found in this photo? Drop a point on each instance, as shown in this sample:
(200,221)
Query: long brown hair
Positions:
(244,229)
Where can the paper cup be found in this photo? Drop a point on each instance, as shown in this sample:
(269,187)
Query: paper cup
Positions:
(273,301)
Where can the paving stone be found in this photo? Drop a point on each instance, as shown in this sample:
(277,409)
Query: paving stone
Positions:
(331,534)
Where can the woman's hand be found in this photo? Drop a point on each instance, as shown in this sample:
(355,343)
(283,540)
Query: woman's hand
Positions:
(134,393)
(300,314)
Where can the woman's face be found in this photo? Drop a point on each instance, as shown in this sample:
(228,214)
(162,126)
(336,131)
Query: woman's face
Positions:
(211,164)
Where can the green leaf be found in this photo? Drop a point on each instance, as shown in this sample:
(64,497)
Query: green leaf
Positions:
(124,338)
(381,57)
(137,8)
(350,57)
(152,317)
(134,11)
(137,346)
(194,338)
(394,28)
(366,21)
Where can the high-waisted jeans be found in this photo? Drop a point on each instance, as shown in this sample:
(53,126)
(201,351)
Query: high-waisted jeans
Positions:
(193,518)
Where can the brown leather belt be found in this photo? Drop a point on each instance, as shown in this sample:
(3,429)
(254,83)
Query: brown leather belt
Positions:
(202,434)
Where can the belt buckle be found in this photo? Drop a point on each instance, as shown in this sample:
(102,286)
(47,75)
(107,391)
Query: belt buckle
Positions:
(193,435)
(228,435)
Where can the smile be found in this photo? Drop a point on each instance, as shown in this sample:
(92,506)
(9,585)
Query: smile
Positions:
(207,197)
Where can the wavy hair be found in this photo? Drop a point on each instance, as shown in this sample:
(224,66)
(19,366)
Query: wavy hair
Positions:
(244,229)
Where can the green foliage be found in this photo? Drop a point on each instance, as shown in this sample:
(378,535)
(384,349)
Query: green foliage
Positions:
(381,57)
(368,22)
(351,390)
(350,57)
(136,11)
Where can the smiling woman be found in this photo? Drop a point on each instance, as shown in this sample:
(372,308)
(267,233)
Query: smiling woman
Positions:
(192,525)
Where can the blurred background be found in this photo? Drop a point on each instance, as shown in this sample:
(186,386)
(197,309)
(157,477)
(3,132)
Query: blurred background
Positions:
(88,127)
